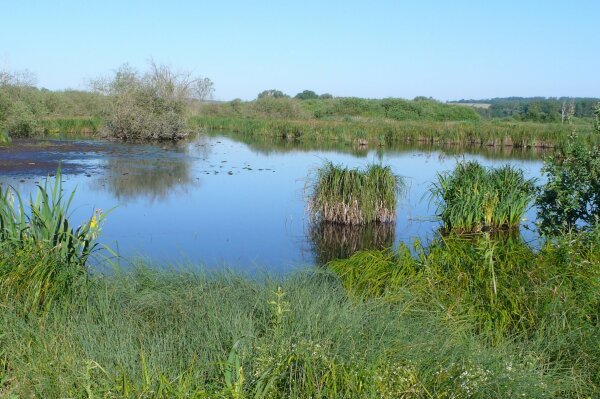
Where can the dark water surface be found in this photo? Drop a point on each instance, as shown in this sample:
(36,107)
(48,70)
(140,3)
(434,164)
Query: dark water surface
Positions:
(219,201)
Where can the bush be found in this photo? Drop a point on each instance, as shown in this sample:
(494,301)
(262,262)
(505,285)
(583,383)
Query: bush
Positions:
(571,197)
(150,105)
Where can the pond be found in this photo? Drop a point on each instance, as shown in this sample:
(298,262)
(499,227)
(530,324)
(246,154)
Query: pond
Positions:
(224,200)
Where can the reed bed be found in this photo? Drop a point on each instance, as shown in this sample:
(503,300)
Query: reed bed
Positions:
(385,132)
(354,197)
(77,126)
(473,198)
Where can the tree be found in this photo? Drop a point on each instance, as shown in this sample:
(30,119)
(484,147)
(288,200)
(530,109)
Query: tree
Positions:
(567,110)
(151,105)
(272,93)
(307,95)
(325,96)
(597,115)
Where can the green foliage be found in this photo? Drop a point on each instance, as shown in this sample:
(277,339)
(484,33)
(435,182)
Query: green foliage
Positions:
(507,290)
(385,132)
(571,196)
(162,334)
(152,105)
(535,109)
(45,220)
(597,117)
(42,253)
(272,93)
(352,196)
(307,95)
(472,198)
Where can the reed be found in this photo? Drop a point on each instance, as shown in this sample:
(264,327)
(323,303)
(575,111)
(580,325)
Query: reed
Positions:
(353,196)
(54,254)
(386,132)
(76,126)
(473,198)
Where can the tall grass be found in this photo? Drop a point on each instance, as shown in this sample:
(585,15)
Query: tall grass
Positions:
(385,132)
(54,254)
(81,126)
(473,198)
(353,196)
(504,290)
(157,334)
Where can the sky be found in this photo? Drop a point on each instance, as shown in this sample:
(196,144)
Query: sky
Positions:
(448,50)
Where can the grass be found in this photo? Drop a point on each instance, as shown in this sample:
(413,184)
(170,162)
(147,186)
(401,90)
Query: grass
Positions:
(504,290)
(387,132)
(353,196)
(52,254)
(157,334)
(478,318)
(75,126)
(473,198)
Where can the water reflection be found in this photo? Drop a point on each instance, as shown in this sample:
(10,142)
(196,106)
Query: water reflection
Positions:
(330,241)
(274,145)
(152,179)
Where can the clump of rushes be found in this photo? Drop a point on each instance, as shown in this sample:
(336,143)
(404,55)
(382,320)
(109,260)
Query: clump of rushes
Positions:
(473,198)
(353,196)
(40,227)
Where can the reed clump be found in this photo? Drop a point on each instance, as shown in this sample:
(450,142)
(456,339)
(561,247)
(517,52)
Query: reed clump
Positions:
(354,196)
(43,255)
(473,198)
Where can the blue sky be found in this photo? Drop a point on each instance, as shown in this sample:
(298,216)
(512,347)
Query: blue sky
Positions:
(444,49)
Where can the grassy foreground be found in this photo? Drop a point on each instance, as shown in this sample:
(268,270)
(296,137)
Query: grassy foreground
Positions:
(155,335)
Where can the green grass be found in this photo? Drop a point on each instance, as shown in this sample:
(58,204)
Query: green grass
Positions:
(473,198)
(52,253)
(387,132)
(80,126)
(151,334)
(353,196)
(504,291)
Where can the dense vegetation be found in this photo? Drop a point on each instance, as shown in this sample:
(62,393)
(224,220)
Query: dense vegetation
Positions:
(151,105)
(536,109)
(484,317)
(352,196)
(472,198)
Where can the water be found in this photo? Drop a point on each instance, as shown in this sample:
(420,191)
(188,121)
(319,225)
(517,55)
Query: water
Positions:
(218,201)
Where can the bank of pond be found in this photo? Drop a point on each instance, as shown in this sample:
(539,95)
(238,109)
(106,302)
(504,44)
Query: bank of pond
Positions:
(474,315)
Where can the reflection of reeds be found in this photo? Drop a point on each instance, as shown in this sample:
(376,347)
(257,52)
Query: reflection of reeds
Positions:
(332,241)
(473,198)
(353,196)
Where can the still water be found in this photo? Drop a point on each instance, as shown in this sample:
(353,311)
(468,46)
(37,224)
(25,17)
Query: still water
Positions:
(219,201)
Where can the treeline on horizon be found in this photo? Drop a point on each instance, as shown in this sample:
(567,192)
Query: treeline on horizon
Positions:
(535,109)
(136,105)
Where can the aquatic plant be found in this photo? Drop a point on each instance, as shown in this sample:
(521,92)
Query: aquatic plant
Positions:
(353,196)
(43,255)
(473,198)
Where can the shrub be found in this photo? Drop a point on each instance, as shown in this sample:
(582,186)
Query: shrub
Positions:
(150,105)
(570,199)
